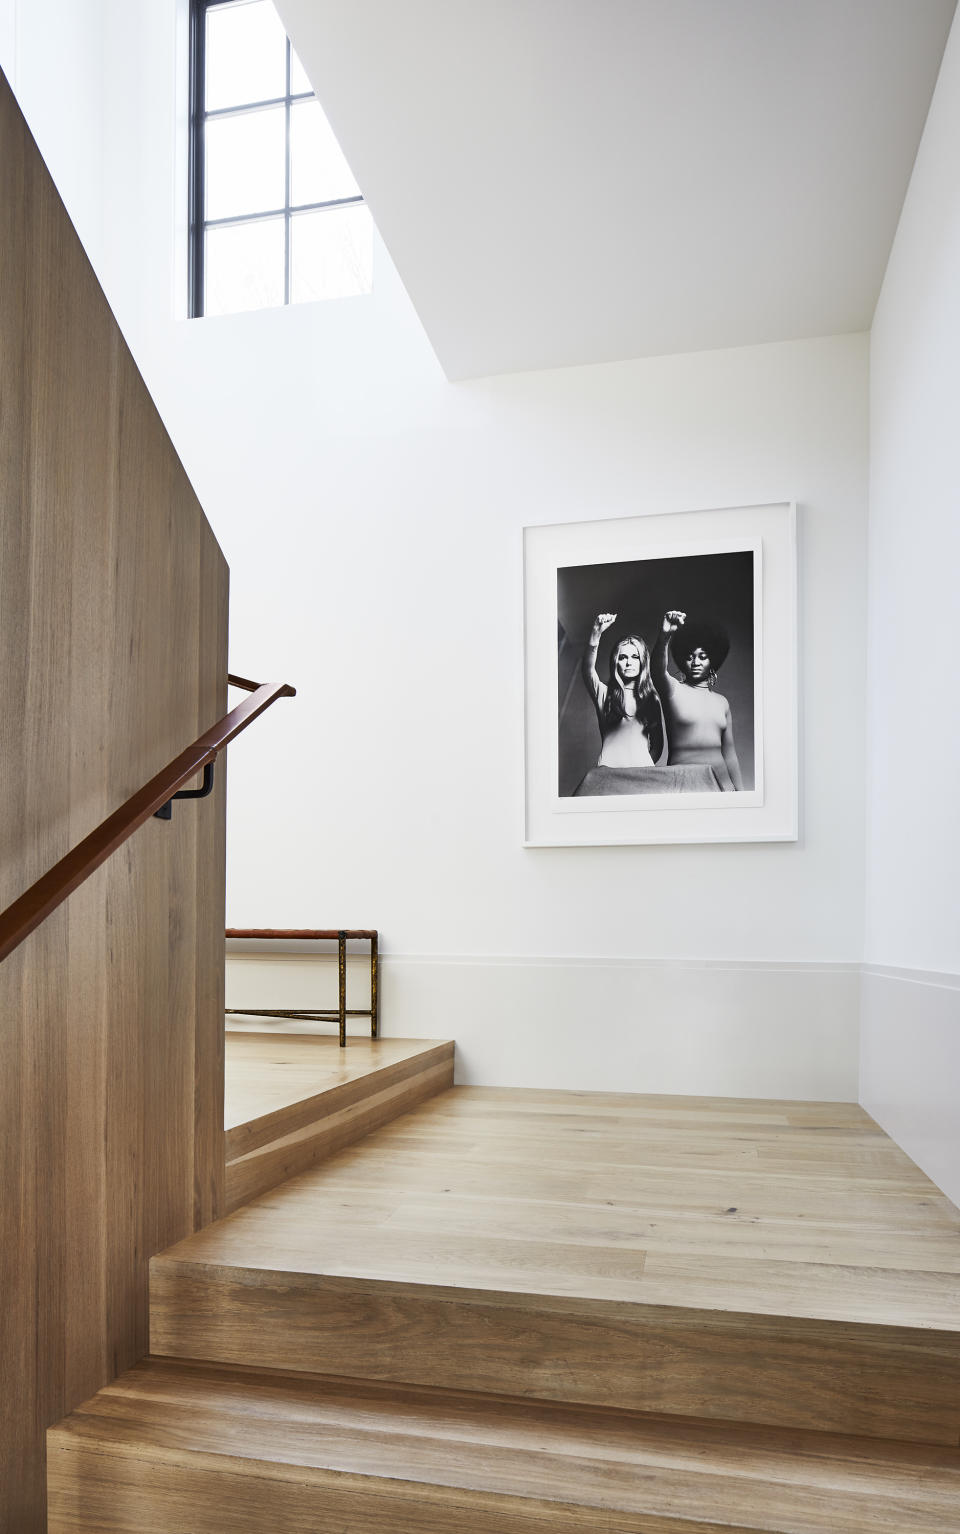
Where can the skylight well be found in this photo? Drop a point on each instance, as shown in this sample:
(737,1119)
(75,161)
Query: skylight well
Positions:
(276,216)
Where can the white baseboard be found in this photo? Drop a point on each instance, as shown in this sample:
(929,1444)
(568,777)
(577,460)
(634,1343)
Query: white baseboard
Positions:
(698,1028)
(910,1065)
(887,1037)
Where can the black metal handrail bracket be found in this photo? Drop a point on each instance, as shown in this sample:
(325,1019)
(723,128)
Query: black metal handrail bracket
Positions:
(166,811)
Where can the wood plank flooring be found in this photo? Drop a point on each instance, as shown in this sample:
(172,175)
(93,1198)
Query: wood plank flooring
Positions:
(775,1208)
(193,1446)
(269,1073)
(293,1100)
(754,1262)
(550,1312)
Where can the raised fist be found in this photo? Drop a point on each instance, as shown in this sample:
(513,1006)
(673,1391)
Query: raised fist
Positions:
(672,620)
(602,622)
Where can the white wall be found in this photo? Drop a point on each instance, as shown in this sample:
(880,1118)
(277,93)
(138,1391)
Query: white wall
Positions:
(911,1017)
(392,599)
(372,515)
(8,36)
(53,58)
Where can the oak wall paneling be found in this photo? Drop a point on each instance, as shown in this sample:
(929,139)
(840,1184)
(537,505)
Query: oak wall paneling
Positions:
(113,606)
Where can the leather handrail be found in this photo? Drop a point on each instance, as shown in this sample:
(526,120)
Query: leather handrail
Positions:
(52,888)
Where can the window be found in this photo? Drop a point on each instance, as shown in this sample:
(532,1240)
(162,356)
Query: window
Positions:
(276,216)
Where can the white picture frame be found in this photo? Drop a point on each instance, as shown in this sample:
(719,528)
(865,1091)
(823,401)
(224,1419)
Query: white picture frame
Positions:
(739,562)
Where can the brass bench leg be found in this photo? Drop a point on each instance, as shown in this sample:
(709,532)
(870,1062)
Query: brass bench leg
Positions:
(374,987)
(342,975)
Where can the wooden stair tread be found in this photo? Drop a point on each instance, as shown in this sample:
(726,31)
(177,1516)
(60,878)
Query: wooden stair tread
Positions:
(541,1313)
(809,1211)
(292,1101)
(768,1262)
(882,1382)
(276,1083)
(450,1450)
(370,1241)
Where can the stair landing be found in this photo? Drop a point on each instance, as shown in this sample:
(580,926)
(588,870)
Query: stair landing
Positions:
(781,1263)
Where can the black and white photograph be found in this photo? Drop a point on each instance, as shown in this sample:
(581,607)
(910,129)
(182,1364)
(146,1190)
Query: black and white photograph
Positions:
(655,670)
(660,678)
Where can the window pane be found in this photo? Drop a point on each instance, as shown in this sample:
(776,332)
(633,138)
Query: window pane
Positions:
(298,76)
(331,254)
(245,54)
(245,169)
(318,171)
(243,267)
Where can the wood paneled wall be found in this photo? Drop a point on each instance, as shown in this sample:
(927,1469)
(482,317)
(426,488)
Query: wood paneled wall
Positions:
(113,606)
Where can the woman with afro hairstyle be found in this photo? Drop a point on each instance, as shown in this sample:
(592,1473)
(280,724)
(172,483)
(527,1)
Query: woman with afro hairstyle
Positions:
(628,709)
(698,720)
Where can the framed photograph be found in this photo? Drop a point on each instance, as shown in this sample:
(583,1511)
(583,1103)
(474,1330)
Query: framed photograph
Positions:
(660,678)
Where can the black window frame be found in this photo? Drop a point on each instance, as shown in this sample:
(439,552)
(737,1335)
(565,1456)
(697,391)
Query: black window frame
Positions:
(199,116)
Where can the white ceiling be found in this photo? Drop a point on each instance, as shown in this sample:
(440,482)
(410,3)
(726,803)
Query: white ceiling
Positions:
(577,181)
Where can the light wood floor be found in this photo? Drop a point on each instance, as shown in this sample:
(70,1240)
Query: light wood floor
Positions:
(775,1208)
(192,1446)
(293,1100)
(266,1072)
(555,1312)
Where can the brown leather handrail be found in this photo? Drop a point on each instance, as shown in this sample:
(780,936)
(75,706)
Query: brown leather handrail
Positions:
(52,888)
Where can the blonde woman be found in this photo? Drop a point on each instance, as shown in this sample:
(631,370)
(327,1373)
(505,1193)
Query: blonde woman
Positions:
(628,709)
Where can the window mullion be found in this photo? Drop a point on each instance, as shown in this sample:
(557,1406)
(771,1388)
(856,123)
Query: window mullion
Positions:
(197,154)
(286,184)
(255,263)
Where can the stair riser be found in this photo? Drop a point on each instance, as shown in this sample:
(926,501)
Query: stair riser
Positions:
(90,1492)
(880,1382)
(272,1125)
(267,1166)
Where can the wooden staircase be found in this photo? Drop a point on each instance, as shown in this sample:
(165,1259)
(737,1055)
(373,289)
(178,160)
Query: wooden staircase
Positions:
(527,1311)
(272,1133)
